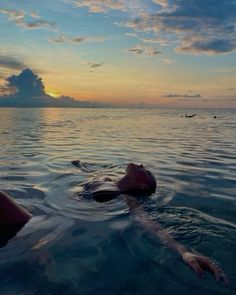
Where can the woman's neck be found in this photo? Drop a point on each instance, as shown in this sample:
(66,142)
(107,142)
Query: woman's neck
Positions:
(123,183)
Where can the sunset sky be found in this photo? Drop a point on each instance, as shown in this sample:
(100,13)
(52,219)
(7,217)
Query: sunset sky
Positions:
(177,53)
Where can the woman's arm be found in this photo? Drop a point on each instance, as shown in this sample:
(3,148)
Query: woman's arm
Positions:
(198,263)
(12,213)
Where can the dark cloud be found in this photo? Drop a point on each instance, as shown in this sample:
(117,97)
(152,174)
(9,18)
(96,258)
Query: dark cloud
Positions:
(207,46)
(38,24)
(29,91)
(77,40)
(93,65)
(27,83)
(11,63)
(144,50)
(29,20)
(200,26)
(175,95)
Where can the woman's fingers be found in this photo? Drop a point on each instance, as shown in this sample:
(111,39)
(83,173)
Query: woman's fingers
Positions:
(218,273)
(214,269)
(196,267)
(191,260)
(200,263)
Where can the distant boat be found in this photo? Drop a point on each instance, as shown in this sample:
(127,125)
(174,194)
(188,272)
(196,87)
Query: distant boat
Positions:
(190,116)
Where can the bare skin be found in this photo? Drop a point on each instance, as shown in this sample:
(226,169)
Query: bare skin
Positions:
(12,213)
(136,178)
(198,263)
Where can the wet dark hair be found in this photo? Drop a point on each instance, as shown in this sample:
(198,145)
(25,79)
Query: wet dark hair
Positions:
(138,192)
(153,183)
(105,196)
(144,191)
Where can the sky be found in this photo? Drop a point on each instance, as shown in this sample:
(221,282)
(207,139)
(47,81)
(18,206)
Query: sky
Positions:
(154,52)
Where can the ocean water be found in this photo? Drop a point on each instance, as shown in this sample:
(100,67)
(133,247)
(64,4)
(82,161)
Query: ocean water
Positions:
(82,247)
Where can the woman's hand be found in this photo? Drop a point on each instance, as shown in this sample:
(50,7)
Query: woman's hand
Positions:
(78,164)
(200,263)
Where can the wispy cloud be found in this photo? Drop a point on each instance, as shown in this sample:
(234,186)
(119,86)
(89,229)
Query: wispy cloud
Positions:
(197,45)
(93,65)
(197,27)
(77,40)
(131,34)
(200,27)
(29,20)
(167,61)
(163,3)
(144,50)
(185,95)
(156,40)
(10,62)
(101,6)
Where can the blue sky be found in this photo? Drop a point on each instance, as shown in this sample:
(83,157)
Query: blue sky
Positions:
(167,53)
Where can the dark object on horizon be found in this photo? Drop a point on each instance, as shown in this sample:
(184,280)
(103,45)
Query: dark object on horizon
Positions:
(28,90)
(214,117)
(190,116)
(27,84)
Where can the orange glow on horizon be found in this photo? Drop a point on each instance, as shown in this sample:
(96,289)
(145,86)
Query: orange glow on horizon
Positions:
(53,93)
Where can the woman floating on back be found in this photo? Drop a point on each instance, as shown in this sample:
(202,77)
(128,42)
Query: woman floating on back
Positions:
(137,180)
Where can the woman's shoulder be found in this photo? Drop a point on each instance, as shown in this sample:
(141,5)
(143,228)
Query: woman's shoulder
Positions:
(101,190)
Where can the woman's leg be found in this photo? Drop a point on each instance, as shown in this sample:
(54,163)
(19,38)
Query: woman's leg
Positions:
(12,213)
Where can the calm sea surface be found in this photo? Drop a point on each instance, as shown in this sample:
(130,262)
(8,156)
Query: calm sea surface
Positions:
(83,247)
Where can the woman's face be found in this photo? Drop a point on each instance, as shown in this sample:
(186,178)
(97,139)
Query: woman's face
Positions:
(139,177)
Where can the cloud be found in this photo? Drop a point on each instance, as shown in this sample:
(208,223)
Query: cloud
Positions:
(29,20)
(6,90)
(161,41)
(211,47)
(29,91)
(200,27)
(131,34)
(163,3)
(39,24)
(175,95)
(167,61)
(77,40)
(193,26)
(34,14)
(144,50)
(27,84)
(9,62)
(93,65)
(101,6)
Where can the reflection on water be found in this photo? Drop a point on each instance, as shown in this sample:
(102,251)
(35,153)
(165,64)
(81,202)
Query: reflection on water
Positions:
(83,247)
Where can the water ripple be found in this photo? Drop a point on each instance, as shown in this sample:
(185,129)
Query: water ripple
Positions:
(194,163)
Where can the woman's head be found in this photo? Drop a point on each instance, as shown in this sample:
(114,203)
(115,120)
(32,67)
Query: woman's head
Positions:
(139,179)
